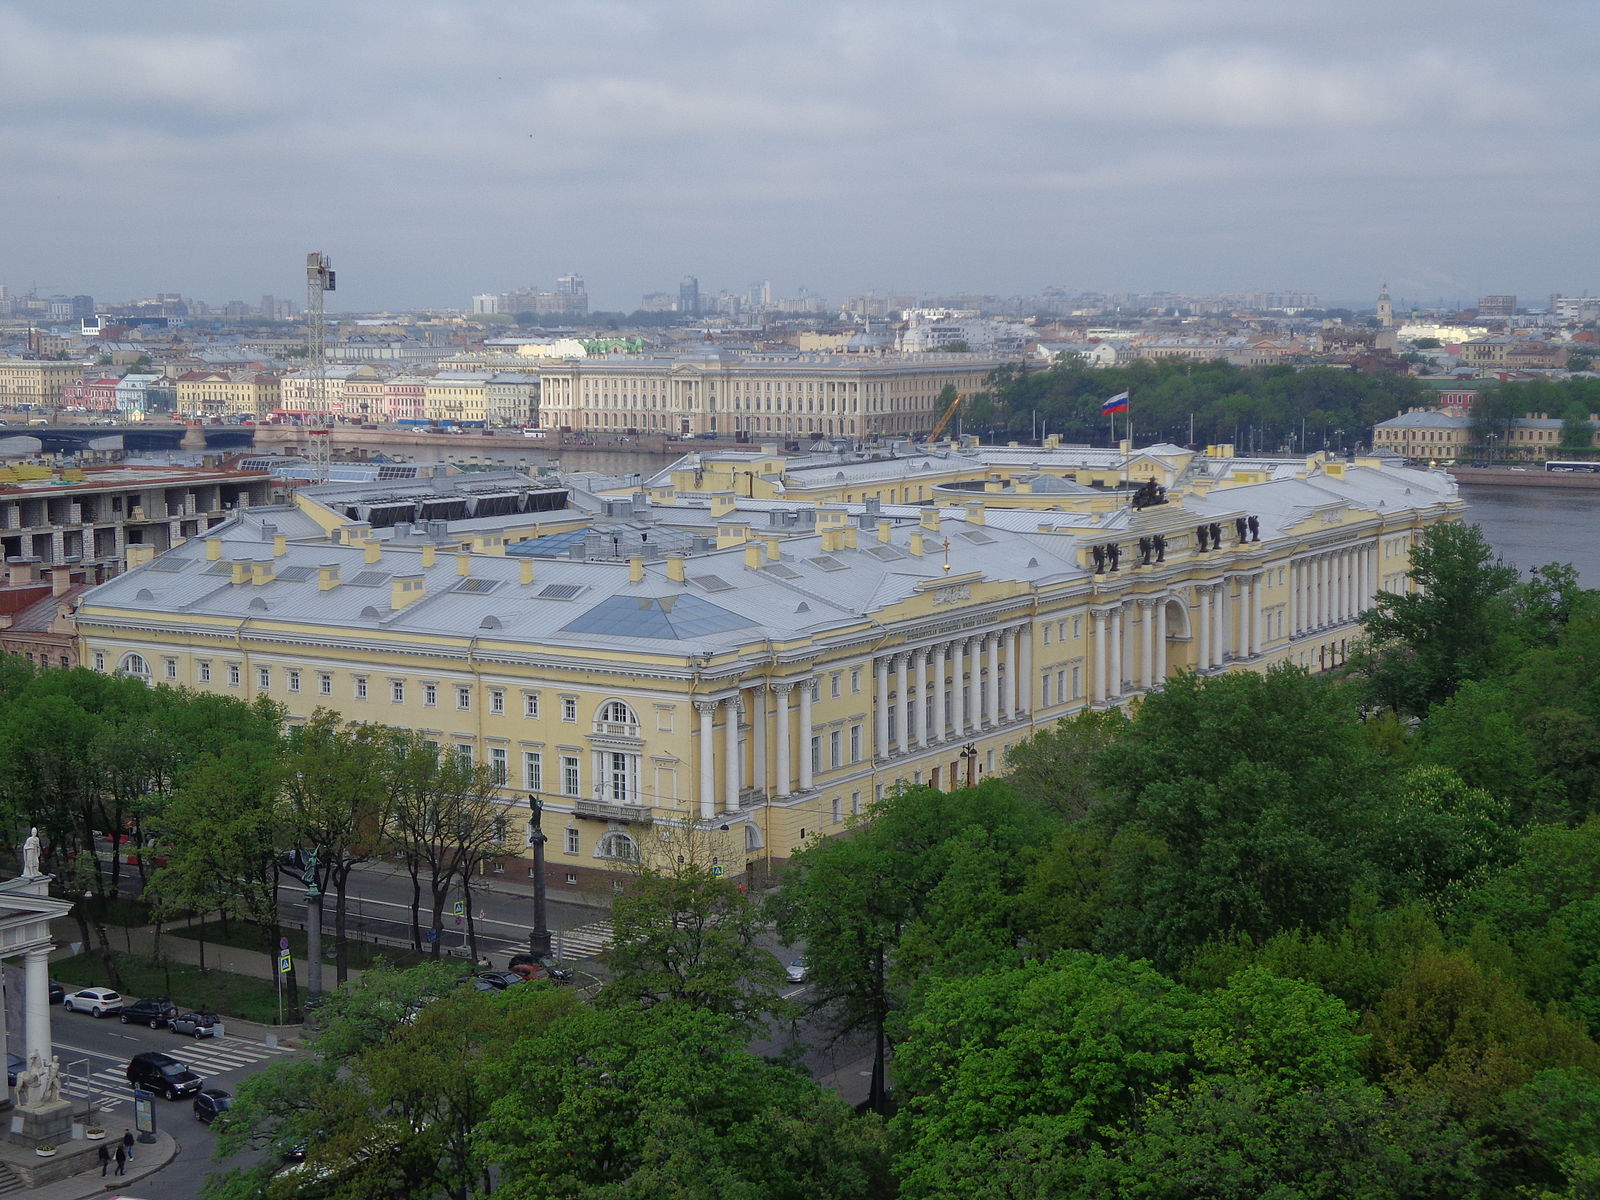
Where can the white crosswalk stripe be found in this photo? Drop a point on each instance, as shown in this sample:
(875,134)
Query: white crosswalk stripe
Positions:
(109,1088)
(585,941)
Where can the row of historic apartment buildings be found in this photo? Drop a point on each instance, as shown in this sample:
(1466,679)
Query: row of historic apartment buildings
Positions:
(1447,434)
(762,646)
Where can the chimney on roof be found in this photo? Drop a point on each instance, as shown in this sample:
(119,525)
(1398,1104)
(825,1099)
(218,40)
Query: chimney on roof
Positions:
(930,519)
(430,555)
(527,570)
(774,548)
(752,556)
(61,577)
(327,577)
(405,590)
(24,569)
(975,514)
(675,568)
(883,532)
(280,545)
(240,573)
(261,571)
(372,551)
(916,543)
(213,549)
(463,563)
(848,536)
(635,570)
(721,505)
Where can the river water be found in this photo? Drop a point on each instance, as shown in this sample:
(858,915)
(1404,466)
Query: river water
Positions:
(1530,527)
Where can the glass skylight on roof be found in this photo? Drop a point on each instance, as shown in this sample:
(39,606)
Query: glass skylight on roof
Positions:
(296,574)
(884,553)
(828,563)
(781,570)
(711,583)
(478,587)
(673,618)
(560,591)
(369,579)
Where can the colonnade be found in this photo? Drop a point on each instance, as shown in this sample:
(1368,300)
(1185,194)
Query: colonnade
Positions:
(1330,587)
(946,690)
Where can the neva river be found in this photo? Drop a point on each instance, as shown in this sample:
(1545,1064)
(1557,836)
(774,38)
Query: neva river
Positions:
(1530,527)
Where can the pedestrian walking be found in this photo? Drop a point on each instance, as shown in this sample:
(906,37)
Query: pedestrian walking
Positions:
(127,1143)
(105,1158)
(122,1160)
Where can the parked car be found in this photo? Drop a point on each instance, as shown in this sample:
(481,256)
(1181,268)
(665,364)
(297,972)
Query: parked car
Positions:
(154,1011)
(96,1001)
(194,1024)
(211,1103)
(162,1073)
(58,992)
(529,967)
(797,970)
(15,1065)
(500,980)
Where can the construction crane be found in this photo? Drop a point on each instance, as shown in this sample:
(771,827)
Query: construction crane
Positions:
(320,279)
(946,417)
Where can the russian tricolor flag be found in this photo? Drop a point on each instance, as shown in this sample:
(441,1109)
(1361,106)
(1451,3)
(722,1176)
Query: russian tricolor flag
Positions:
(1117,403)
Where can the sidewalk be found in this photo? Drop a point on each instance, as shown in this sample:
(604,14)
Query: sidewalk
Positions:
(147,1160)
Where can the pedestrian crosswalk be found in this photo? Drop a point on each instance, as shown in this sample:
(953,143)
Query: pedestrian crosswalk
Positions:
(109,1089)
(585,941)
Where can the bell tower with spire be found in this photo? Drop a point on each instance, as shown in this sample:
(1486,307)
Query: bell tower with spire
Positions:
(1385,309)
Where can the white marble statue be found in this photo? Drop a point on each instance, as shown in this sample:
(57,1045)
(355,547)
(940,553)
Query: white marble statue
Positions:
(30,855)
(52,1081)
(31,1083)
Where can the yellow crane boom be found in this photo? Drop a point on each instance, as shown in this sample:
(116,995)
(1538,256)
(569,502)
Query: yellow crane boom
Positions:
(946,417)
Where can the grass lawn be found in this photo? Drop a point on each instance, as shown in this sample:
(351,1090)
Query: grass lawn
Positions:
(220,992)
(244,936)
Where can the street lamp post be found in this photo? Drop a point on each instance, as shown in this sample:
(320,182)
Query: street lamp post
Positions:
(539,935)
(969,752)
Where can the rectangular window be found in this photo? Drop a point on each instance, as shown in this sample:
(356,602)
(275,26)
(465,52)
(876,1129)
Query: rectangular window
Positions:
(430,694)
(1077,683)
(570,783)
(572,843)
(499,765)
(235,675)
(497,701)
(530,704)
(1044,691)
(100,663)
(838,807)
(816,754)
(855,681)
(324,683)
(361,687)
(294,681)
(569,708)
(397,690)
(855,803)
(835,749)
(172,668)
(463,698)
(205,669)
(833,685)
(264,678)
(571,878)
(1077,627)
(532,771)
(1047,633)
(855,743)
(464,753)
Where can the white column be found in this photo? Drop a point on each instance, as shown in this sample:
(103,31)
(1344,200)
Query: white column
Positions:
(924,709)
(1247,618)
(36,1004)
(992,700)
(708,798)
(1118,673)
(1292,615)
(1161,643)
(1220,643)
(958,684)
(781,691)
(1025,670)
(1147,640)
(880,704)
(1203,620)
(1347,576)
(1097,656)
(805,735)
(1322,591)
(938,693)
(733,768)
(902,725)
(1009,688)
(758,740)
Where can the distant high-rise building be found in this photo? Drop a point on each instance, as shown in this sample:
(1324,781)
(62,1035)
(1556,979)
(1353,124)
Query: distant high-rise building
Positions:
(1497,306)
(689,295)
(570,285)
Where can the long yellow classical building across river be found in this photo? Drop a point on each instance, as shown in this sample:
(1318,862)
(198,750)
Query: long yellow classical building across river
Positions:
(763,643)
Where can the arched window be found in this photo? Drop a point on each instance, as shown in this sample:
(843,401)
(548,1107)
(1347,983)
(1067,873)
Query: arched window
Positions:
(615,712)
(618,846)
(135,667)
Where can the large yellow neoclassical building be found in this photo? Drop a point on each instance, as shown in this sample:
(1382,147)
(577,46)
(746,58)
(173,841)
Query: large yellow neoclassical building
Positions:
(771,665)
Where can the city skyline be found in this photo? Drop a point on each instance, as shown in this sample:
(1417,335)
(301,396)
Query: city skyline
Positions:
(929,149)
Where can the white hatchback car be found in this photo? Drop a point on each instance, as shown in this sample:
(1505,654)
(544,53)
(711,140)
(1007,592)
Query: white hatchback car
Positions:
(95,1001)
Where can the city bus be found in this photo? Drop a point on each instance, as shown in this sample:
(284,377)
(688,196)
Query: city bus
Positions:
(1558,465)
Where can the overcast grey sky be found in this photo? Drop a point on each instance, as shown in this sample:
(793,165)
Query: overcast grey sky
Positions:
(435,150)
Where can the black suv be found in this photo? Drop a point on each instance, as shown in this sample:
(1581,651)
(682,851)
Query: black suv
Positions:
(162,1073)
(154,1011)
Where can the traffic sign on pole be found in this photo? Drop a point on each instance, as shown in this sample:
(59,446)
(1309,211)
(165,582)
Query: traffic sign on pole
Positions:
(284,962)
(460,909)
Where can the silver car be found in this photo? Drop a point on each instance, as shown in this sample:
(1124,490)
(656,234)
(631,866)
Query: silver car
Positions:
(193,1024)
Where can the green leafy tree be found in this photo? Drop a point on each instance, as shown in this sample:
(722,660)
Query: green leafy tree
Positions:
(668,1102)
(686,934)
(1427,642)
(1057,768)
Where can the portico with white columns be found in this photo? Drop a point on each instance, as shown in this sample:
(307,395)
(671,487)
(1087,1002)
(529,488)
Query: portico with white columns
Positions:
(26,910)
